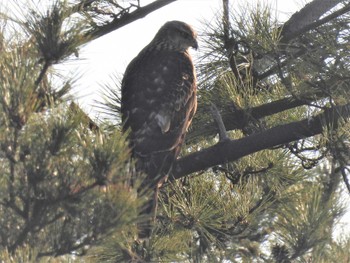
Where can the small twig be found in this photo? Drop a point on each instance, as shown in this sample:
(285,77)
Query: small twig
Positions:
(85,119)
(226,19)
(345,178)
(42,73)
(230,43)
(81,6)
(217,117)
(126,19)
(286,81)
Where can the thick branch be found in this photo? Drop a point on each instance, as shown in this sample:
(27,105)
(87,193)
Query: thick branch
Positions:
(127,19)
(320,22)
(238,119)
(233,150)
(305,17)
(308,18)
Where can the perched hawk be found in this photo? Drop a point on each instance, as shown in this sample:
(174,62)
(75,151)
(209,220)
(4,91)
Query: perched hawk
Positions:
(159,99)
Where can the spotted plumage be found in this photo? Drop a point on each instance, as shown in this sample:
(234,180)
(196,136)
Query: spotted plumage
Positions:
(159,100)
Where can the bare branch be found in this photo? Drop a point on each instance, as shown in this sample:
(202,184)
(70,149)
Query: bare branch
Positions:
(238,118)
(300,22)
(127,19)
(81,6)
(232,150)
(218,119)
(345,178)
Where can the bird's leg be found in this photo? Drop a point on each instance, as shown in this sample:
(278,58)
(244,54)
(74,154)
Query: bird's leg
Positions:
(217,117)
(148,214)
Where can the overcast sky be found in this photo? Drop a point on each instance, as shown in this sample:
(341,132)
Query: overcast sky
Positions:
(110,54)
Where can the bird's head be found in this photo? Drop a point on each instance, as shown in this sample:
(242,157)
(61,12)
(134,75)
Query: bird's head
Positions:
(176,35)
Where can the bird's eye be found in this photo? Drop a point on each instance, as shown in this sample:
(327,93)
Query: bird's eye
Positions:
(185,34)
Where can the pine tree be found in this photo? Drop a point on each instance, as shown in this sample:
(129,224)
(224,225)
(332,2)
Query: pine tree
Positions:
(261,176)
(64,180)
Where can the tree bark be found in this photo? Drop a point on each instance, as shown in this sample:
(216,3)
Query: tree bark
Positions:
(302,19)
(127,19)
(238,119)
(231,150)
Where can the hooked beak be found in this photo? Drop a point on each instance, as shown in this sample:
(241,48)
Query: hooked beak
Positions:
(195,44)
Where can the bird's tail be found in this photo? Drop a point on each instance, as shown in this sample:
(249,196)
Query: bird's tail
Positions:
(156,167)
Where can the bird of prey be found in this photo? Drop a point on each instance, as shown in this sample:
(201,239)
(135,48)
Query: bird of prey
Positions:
(158,102)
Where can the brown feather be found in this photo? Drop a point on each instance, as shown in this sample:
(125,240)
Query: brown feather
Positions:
(159,100)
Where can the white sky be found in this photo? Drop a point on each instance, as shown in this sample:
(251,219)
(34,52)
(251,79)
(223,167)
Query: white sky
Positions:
(110,54)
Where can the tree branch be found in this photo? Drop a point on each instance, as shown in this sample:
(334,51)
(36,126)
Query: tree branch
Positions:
(81,6)
(238,119)
(300,21)
(234,149)
(127,19)
(303,21)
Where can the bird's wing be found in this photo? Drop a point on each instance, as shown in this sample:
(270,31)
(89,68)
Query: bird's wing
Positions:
(156,92)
